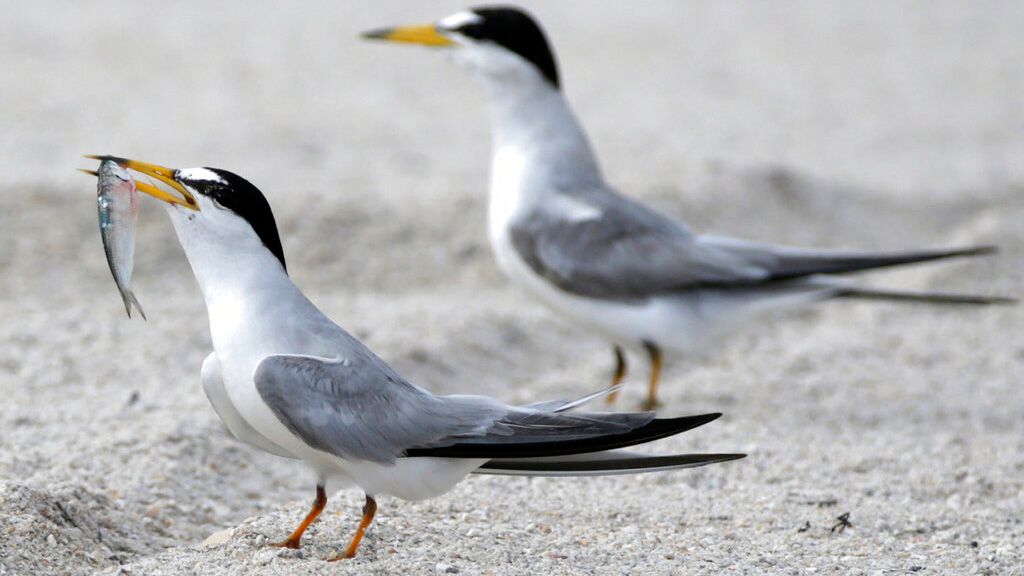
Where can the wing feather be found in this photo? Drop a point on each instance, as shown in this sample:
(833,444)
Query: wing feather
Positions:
(628,251)
(365,411)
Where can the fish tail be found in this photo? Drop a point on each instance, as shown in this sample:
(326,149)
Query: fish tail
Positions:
(129,301)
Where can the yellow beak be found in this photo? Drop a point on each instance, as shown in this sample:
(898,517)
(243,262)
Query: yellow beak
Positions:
(425,34)
(161,173)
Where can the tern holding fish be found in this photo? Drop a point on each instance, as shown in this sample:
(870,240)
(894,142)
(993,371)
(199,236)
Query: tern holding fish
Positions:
(286,379)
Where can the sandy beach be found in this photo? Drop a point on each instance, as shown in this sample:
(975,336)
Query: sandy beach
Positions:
(868,125)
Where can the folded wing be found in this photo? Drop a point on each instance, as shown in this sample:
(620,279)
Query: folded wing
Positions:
(359,411)
(627,251)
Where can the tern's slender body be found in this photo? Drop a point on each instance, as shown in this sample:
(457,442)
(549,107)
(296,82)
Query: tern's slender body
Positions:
(641,279)
(286,379)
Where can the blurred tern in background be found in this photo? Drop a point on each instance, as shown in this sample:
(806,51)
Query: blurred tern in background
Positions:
(286,379)
(641,279)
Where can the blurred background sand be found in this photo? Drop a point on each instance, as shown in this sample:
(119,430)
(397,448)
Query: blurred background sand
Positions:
(868,124)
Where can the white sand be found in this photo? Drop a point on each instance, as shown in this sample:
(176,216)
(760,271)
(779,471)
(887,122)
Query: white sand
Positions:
(867,124)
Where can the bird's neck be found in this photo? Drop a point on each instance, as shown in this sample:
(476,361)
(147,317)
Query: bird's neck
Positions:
(539,150)
(531,118)
(253,306)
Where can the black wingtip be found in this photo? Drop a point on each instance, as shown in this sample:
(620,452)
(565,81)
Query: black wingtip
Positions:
(798,266)
(981,250)
(701,418)
(654,430)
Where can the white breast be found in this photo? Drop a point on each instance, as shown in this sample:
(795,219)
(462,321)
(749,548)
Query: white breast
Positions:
(213,384)
(507,170)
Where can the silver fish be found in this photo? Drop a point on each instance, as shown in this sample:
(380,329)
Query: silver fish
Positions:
(118,204)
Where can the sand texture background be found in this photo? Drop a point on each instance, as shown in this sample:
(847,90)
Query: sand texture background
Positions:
(848,124)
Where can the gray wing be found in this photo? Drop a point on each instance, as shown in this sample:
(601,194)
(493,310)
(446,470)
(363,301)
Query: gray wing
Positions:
(627,251)
(363,410)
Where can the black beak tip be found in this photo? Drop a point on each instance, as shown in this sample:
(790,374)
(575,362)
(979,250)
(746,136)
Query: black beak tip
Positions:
(379,34)
(105,157)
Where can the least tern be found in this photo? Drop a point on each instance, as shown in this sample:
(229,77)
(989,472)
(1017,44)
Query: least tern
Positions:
(286,379)
(641,279)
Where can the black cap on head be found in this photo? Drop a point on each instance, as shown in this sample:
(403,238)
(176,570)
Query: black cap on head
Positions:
(238,195)
(518,32)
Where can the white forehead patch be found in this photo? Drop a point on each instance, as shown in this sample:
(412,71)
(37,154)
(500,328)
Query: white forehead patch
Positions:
(459,19)
(200,174)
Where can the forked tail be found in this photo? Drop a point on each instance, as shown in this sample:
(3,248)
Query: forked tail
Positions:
(924,297)
(130,300)
(600,464)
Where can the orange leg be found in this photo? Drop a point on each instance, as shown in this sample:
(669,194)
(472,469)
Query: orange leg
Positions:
(369,509)
(620,373)
(318,507)
(652,387)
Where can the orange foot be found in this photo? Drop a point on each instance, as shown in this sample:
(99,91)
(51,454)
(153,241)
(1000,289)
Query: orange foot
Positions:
(347,555)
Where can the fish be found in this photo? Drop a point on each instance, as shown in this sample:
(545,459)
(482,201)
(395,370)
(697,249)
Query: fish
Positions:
(117,202)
